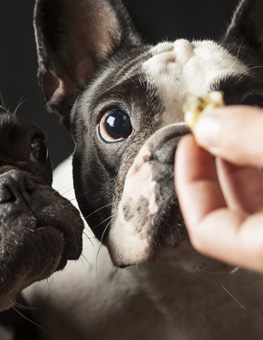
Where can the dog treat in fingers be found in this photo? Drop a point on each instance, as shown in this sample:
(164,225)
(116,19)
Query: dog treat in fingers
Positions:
(196,105)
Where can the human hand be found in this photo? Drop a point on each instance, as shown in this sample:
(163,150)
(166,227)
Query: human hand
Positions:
(221,197)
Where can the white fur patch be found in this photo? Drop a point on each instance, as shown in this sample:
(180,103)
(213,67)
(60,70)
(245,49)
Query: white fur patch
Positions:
(182,69)
(128,238)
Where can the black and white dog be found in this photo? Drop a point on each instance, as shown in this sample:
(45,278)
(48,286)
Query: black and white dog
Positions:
(122,101)
(39,229)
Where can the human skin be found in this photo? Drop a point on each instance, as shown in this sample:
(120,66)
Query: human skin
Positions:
(220,186)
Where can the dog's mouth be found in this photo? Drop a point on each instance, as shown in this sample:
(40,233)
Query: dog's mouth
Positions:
(36,254)
(54,231)
(36,239)
(63,231)
(136,244)
(31,256)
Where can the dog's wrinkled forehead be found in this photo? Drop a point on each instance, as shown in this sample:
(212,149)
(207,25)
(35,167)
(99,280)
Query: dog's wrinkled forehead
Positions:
(171,70)
(182,68)
(122,82)
(14,132)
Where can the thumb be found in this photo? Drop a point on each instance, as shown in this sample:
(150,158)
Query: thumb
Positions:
(234,133)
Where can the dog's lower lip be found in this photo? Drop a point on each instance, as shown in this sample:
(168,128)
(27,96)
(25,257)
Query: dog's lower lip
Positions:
(45,226)
(56,229)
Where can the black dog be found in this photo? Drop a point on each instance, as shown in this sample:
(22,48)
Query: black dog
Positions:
(122,101)
(39,229)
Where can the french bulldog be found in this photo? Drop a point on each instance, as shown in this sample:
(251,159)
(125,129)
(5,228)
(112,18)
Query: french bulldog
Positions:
(123,102)
(39,229)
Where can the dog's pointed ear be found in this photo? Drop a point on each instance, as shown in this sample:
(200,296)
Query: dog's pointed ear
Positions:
(74,37)
(247,24)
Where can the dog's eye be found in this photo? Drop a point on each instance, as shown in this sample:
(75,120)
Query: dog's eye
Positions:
(115,126)
(38,150)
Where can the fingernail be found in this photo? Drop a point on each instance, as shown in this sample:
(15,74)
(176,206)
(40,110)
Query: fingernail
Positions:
(206,130)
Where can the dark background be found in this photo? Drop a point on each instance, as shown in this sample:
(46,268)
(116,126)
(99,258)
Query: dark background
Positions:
(156,20)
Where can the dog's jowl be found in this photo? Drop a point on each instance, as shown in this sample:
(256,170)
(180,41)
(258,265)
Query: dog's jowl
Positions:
(39,229)
(122,101)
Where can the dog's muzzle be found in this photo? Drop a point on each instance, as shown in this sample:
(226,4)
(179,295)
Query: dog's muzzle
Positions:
(39,232)
(148,216)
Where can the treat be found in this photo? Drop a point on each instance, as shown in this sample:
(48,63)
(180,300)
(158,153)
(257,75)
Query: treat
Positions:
(196,105)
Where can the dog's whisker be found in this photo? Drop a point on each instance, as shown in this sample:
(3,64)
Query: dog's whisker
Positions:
(174,287)
(65,190)
(47,285)
(105,230)
(236,57)
(228,292)
(105,220)
(98,210)
(218,273)
(93,238)
(87,237)
(88,230)
(20,103)
(202,272)
(232,296)
(29,320)
(87,192)
(97,256)
(102,237)
(18,305)
(84,258)
(72,200)
(255,68)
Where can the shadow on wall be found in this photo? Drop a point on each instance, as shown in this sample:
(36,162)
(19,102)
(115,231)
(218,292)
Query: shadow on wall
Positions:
(156,20)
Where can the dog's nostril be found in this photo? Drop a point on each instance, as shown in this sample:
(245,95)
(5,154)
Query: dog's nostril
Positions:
(5,194)
(29,185)
(16,186)
(123,266)
(165,153)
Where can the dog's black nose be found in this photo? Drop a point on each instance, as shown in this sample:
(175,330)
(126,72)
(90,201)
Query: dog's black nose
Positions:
(5,194)
(15,184)
(165,141)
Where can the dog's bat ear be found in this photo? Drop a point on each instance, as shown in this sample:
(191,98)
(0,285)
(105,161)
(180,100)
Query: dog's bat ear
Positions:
(75,37)
(247,25)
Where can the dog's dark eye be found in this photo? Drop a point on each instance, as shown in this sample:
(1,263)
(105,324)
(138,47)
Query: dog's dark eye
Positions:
(115,126)
(38,150)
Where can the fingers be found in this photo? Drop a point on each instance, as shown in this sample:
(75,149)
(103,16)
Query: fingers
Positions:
(196,182)
(228,237)
(224,217)
(242,187)
(214,229)
(233,133)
